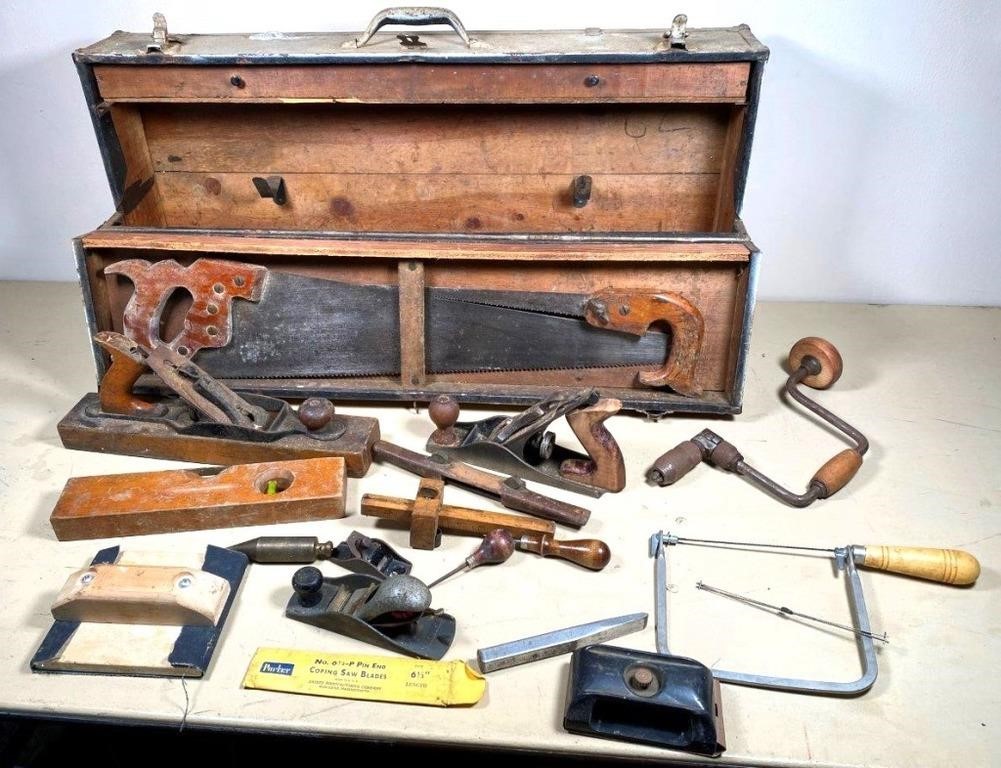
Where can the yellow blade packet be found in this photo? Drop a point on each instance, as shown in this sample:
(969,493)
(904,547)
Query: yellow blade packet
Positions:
(369,678)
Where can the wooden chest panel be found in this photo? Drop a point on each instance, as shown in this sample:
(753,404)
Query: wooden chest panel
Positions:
(712,277)
(450,169)
(430,83)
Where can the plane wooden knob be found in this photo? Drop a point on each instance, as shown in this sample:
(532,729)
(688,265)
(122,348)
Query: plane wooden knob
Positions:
(444,412)
(589,553)
(947,566)
(316,412)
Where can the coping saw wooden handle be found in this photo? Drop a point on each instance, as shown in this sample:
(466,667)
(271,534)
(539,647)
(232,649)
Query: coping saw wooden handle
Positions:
(947,566)
(634,313)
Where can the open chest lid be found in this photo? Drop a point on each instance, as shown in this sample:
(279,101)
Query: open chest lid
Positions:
(551,132)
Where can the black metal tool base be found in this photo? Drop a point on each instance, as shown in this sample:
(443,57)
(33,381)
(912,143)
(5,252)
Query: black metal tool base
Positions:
(666,701)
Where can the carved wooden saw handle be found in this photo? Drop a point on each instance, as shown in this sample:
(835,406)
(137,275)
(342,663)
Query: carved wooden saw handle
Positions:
(212,283)
(634,313)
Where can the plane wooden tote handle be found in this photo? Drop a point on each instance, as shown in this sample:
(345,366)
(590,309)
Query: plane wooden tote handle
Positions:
(634,313)
(948,566)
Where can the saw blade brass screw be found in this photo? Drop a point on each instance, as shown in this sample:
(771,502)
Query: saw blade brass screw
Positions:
(316,412)
(496,547)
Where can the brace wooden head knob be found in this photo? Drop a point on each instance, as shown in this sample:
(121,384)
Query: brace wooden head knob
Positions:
(444,412)
(820,357)
(316,412)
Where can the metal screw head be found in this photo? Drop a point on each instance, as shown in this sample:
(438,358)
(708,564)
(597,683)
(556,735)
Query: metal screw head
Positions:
(184,582)
(642,681)
(87,578)
(599,309)
(591,80)
(641,678)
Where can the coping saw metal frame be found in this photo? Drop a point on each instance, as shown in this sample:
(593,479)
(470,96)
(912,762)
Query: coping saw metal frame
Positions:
(844,558)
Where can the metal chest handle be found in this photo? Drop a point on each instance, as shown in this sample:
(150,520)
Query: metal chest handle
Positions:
(413,16)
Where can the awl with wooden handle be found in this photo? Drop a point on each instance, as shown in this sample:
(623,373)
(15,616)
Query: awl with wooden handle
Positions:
(589,553)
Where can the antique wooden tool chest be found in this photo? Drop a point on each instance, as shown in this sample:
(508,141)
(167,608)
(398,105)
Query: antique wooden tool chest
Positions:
(486,214)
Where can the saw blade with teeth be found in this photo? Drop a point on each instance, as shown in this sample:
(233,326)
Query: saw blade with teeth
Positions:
(307,327)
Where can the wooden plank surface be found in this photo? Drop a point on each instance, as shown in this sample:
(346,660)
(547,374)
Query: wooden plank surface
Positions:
(409,202)
(726,204)
(412,354)
(176,243)
(145,207)
(442,139)
(428,83)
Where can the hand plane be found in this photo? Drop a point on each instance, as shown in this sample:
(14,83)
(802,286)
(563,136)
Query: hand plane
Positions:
(204,420)
(393,612)
(522,445)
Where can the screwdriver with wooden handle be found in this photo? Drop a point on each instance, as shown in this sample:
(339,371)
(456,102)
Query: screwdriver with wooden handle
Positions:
(946,566)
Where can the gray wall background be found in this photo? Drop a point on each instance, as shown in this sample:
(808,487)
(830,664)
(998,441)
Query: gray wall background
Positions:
(875,176)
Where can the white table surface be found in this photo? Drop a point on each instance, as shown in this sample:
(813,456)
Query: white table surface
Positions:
(922,382)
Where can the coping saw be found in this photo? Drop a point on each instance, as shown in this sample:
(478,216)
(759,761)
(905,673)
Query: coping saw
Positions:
(947,566)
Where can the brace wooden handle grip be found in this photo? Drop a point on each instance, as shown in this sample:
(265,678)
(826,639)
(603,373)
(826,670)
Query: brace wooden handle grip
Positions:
(838,471)
(589,553)
(948,566)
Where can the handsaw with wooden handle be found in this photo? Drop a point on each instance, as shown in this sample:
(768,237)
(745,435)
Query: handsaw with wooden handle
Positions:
(301,326)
